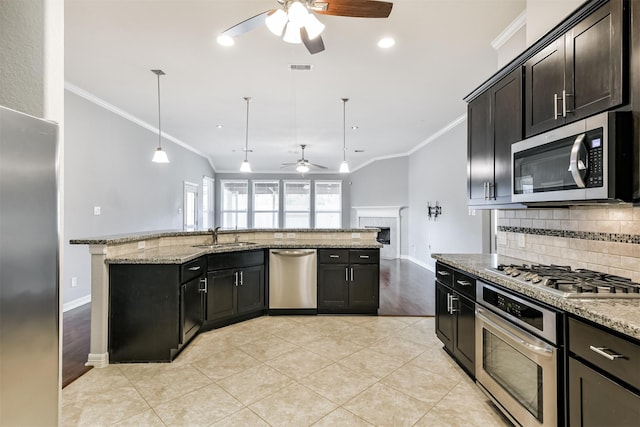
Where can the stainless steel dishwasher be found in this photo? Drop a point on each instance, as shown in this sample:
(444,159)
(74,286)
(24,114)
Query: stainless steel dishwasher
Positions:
(293,283)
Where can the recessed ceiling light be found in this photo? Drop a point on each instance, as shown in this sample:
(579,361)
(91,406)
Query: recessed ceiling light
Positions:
(355,127)
(219,126)
(386,42)
(225,40)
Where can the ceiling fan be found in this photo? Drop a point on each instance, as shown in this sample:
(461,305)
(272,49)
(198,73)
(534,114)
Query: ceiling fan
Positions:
(302,165)
(296,19)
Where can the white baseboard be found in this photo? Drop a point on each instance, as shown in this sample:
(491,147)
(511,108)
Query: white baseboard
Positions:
(418,262)
(76,303)
(100,360)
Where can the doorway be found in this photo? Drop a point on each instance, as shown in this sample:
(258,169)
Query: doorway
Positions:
(190,208)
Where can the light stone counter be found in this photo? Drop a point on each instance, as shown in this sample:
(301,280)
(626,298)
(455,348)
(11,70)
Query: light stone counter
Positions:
(621,315)
(178,247)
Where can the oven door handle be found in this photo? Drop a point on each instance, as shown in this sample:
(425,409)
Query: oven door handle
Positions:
(577,165)
(544,351)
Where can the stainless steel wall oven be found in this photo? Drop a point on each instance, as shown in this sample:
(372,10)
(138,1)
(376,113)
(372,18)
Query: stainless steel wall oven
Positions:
(518,354)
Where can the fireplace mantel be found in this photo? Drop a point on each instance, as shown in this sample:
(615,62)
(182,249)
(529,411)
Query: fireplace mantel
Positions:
(385,215)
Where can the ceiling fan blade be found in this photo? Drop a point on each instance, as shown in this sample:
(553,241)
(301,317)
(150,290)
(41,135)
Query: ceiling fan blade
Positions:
(286,165)
(313,46)
(247,25)
(318,166)
(354,8)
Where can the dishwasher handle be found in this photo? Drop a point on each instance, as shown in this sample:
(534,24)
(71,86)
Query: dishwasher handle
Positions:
(293,253)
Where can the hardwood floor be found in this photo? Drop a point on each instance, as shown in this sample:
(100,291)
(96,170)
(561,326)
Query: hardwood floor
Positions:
(75,343)
(406,289)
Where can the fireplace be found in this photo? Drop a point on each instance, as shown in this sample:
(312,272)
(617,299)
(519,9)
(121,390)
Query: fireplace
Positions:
(384,235)
(387,220)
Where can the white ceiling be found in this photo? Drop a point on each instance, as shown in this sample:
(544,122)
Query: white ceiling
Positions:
(398,97)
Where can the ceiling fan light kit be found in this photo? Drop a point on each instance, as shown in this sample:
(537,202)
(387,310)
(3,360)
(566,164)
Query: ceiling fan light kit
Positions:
(160,156)
(299,24)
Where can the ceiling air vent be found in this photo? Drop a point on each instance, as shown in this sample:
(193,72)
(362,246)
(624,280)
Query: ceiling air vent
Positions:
(300,67)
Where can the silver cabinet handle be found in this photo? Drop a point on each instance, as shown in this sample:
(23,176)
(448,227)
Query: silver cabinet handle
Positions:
(346,274)
(204,289)
(364,256)
(334,256)
(194,268)
(564,103)
(555,106)
(485,190)
(352,274)
(463,283)
(453,308)
(236,278)
(449,302)
(605,352)
(546,351)
(241,278)
(443,273)
(490,190)
(576,164)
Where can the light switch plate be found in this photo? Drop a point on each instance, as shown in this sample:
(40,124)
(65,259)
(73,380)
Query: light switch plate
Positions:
(278,235)
(291,235)
(355,235)
(141,245)
(96,210)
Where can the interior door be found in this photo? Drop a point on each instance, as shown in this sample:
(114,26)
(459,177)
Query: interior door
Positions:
(190,208)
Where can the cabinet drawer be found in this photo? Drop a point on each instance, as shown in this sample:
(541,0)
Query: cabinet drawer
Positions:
(333,256)
(235,260)
(364,256)
(464,284)
(444,274)
(599,347)
(192,269)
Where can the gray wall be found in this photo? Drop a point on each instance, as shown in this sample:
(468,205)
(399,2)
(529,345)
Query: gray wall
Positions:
(346,191)
(108,164)
(438,172)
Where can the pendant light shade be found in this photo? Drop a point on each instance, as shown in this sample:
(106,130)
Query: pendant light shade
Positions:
(245,166)
(160,156)
(344,166)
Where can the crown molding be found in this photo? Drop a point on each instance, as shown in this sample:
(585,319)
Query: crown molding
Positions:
(512,28)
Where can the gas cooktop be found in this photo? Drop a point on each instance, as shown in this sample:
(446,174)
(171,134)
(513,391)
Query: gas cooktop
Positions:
(568,283)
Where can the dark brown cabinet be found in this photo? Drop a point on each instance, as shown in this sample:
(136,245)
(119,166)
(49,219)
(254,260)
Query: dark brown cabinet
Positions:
(494,123)
(348,281)
(604,377)
(579,74)
(455,315)
(235,286)
(154,309)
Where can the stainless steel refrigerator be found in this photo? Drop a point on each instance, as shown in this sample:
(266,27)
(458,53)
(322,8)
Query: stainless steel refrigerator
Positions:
(29,291)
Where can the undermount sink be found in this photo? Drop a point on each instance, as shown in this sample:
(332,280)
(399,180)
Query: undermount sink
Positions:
(223,245)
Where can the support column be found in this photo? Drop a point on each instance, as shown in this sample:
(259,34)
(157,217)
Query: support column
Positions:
(99,350)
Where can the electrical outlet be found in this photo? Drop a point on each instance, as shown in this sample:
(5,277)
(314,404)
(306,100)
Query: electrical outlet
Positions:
(355,235)
(522,240)
(278,235)
(472,212)
(291,235)
(74,282)
(502,239)
(96,210)
(141,245)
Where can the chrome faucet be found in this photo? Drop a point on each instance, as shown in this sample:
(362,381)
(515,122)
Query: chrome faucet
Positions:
(214,235)
(237,236)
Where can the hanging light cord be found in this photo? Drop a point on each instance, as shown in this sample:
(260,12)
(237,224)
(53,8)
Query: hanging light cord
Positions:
(159,73)
(344,129)
(246,141)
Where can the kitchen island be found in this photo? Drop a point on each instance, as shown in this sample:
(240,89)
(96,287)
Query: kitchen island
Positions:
(179,249)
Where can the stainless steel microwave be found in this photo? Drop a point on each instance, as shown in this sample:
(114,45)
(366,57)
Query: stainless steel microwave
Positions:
(591,160)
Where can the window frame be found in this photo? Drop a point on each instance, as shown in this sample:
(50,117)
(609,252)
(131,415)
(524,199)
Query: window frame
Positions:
(286,211)
(315,205)
(255,211)
(224,211)
(208,203)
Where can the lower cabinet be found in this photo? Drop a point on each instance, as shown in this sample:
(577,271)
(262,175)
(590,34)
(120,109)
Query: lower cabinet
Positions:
(603,377)
(348,281)
(235,286)
(455,315)
(154,309)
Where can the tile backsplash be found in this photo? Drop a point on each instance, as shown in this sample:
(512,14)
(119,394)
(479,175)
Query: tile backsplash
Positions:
(600,238)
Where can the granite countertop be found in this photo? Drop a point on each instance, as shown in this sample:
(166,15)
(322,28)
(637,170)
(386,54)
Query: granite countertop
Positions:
(184,253)
(621,315)
(134,237)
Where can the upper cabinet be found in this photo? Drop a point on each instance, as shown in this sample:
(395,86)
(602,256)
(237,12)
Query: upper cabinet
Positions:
(494,121)
(579,74)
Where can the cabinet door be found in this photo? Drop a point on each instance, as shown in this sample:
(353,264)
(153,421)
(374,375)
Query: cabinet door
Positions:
(594,62)
(220,294)
(595,400)
(444,319)
(465,332)
(333,286)
(364,284)
(250,292)
(190,308)
(480,149)
(544,78)
(506,119)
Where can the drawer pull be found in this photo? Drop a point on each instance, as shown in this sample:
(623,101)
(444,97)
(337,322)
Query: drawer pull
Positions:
(334,256)
(463,283)
(444,273)
(194,268)
(364,256)
(605,352)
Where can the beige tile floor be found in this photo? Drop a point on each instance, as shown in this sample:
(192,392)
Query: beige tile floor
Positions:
(290,371)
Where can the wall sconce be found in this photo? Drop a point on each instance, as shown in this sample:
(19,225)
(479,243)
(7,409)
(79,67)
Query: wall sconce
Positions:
(433,211)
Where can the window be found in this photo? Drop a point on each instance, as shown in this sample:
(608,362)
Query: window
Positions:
(207,203)
(297,204)
(190,207)
(266,202)
(328,204)
(235,196)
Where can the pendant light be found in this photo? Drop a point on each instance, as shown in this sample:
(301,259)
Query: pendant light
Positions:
(344,166)
(160,156)
(245,166)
